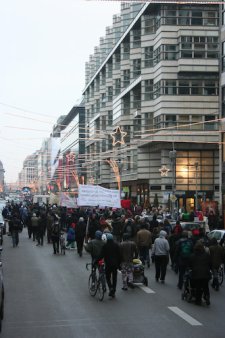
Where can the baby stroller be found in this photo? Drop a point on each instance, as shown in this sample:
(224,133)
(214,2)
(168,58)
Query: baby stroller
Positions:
(188,293)
(138,273)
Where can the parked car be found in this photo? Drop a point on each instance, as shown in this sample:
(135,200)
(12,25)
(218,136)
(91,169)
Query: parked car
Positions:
(1,292)
(190,226)
(217,234)
(2,225)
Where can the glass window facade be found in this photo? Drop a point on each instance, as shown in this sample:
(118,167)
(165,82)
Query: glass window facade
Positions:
(195,170)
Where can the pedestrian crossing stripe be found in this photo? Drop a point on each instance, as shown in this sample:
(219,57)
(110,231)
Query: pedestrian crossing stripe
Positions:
(184,316)
(146,289)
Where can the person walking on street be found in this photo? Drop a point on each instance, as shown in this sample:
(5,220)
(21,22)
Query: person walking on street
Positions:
(173,239)
(49,220)
(128,251)
(34,224)
(200,275)
(29,225)
(41,230)
(160,253)
(55,235)
(111,254)
(80,232)
(15,228)
(217,256)
(144,243)
(117,227)
(70,237)
(183,251)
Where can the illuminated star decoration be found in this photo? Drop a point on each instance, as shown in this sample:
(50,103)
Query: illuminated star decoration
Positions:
(70,157)
(118,136)
(164,170)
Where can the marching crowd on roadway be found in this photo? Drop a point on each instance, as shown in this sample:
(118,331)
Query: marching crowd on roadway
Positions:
(122,235)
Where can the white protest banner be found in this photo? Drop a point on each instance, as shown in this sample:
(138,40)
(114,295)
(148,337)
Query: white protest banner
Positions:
(109,197)
(67,201)
(87,195)
(94,195)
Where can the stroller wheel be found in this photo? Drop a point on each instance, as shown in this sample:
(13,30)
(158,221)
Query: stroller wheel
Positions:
(189,298)
(145,281)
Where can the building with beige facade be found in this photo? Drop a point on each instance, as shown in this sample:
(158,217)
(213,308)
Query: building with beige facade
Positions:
(156,75)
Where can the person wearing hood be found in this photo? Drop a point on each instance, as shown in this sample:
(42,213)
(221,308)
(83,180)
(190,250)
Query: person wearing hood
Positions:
(111,254)
(217,255)
(160,252)
(94,247)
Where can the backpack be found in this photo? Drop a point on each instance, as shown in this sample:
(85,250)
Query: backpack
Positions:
(186,248)
(55,229)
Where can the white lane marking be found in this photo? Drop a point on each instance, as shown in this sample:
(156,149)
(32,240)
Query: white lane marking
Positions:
(146,289)
(184,316)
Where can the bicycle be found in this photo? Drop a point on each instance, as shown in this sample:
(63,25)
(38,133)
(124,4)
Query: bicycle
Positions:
(62,243)
(96,280)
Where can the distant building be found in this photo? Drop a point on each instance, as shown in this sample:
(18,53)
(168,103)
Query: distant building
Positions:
(28,175)
(2,172)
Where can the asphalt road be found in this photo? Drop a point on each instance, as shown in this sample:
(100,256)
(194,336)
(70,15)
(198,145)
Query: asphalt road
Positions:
(46,296)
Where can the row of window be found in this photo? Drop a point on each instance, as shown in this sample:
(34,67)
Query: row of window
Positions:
(163,87)
(185,122)
(163,15)
(180,87)
(191,47)
(179,122)
(153,90)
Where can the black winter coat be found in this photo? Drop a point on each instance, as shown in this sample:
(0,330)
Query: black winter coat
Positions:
(80,230)
(200,265)
(111,254)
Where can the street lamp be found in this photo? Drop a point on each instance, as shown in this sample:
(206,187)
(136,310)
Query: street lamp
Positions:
(120,166)
(172,156)
(196,185)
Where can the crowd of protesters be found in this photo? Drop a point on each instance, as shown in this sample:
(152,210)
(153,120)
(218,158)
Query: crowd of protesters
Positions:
(129,234)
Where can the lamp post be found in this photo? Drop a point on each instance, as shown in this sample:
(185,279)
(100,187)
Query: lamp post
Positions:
(172,156)
(120,167)
(196,185)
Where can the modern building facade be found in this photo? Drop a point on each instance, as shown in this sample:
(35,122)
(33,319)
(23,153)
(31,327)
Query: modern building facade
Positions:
(43,165)
(28,177)
(156,76)
(2,178)
(222,101)
(70,170)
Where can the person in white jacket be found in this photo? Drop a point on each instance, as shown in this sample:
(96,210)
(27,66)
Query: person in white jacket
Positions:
(160,253)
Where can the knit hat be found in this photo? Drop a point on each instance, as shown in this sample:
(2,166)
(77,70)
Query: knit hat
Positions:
(109,236)
(98,234)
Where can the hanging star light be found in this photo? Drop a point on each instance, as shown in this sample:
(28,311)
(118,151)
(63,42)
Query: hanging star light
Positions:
(70,157)
(118,136)
(164,170)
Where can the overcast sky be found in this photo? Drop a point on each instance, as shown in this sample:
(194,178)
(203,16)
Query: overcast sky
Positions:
(44,47)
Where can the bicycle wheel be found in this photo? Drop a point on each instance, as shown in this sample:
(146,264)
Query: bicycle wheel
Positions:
(101,289)
(92,285)
(220,275)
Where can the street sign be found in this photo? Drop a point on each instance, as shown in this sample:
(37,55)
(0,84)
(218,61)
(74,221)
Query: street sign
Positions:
(173,198)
